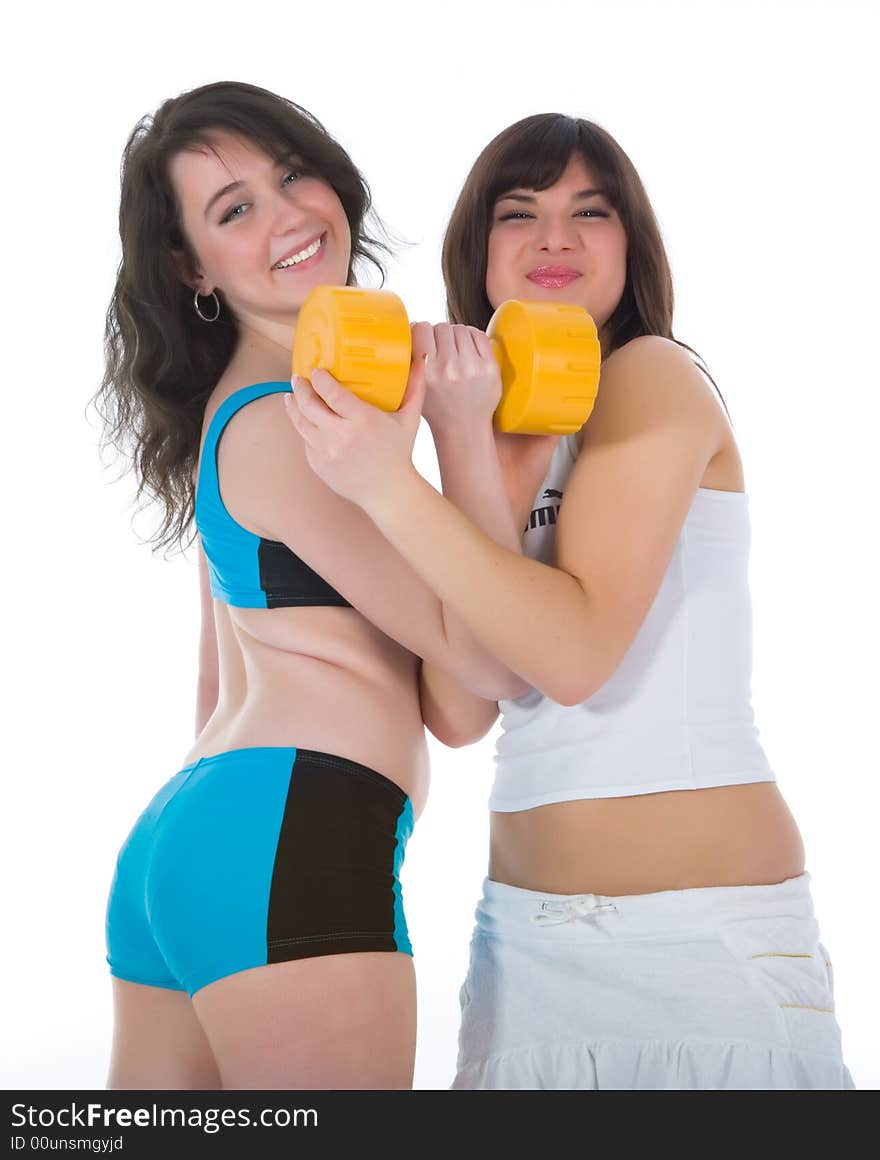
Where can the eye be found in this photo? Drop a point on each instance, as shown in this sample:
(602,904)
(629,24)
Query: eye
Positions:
(514,215)
(594,213)
(234,212)
(290,177)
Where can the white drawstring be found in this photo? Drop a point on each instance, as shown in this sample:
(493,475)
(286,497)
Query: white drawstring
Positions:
(570,909)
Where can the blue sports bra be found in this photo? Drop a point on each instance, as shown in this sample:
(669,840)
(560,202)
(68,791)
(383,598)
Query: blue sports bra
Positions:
(246,570)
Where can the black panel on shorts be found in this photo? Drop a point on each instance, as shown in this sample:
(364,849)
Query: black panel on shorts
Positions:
(288,581)
(332,884)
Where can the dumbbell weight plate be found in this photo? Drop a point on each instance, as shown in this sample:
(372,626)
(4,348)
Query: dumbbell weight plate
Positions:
(549,356)
(362,337)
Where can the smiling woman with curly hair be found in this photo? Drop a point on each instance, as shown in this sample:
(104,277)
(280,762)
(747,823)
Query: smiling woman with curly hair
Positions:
(255,927)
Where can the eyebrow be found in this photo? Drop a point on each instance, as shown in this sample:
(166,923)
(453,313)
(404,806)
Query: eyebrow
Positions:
(222,193)
(529,198)
(280,163)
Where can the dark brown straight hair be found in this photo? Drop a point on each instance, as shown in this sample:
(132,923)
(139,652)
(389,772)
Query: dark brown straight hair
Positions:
(161,361)
(533,154)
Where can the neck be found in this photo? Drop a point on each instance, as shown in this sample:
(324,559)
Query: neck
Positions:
(271,337)
(263,351)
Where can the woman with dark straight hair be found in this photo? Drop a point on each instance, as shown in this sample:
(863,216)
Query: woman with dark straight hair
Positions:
(646,921)
(255,927)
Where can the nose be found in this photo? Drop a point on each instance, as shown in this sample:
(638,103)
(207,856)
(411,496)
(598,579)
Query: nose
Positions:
(288,213)
(556,233)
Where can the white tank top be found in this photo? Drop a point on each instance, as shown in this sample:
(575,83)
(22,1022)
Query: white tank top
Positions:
(676,714)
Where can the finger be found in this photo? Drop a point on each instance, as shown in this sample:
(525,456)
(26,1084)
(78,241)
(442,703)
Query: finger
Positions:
(482,343)
(307,431)
(338,399)
(464,344)
(444,339)
(309,402)
(414,396)
(422,339)
(470,361)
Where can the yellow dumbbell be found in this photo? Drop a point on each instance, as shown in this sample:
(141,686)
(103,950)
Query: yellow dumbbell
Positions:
(548,354)
(549,357)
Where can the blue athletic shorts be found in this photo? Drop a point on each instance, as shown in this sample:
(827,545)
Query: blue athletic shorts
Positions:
(258,856)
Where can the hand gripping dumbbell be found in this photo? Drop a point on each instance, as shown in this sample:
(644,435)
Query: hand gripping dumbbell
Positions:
(548,354)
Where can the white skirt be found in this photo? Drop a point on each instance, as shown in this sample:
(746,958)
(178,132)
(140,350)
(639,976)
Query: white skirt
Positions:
(716,988)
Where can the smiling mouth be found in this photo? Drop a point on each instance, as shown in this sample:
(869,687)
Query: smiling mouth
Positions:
(302,255)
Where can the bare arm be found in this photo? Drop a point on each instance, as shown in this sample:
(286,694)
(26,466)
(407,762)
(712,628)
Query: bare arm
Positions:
(497,493)
(451,712)
(471,479)
(524,460)
(462,387)
(207,687)
(565,629)
(269,488)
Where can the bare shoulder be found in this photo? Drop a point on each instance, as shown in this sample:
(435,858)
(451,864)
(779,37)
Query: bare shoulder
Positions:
(259,436)
(261,461)
(651,382)
(655,371)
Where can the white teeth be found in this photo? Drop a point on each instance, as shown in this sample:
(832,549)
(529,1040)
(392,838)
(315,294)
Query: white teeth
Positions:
(295,259)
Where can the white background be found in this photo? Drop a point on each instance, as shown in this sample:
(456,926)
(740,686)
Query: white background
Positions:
(751,128)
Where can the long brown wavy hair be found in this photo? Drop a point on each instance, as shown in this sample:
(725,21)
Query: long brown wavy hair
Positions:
(161,361)
(533,154)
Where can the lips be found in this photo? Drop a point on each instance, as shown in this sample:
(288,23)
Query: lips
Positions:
(553,277)
(298,250)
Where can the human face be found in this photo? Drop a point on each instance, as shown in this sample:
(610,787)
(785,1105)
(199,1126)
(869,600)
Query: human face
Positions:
(246,215)
(562,244)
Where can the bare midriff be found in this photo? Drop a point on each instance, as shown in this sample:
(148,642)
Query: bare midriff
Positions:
(732,835)
(318,678)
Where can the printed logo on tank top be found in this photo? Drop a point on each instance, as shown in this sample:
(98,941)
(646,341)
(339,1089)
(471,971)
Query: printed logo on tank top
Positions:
(541,517)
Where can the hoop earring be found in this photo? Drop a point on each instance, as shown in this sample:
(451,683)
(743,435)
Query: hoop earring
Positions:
(204,317)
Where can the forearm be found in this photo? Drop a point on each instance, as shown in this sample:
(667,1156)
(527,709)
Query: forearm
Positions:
(504,599)
(453,714)
(472,480)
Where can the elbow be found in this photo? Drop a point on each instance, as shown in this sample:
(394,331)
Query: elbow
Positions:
(570,689)
(454,737)
(573,675)
(569,697)
(457,740)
